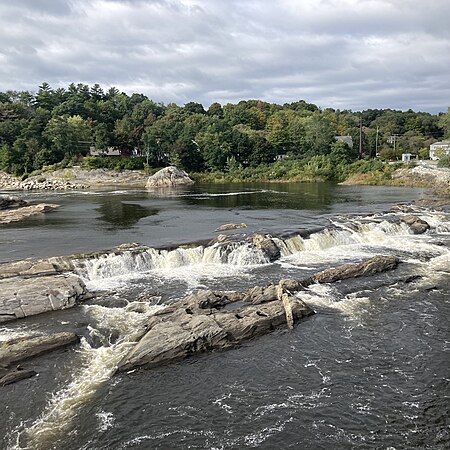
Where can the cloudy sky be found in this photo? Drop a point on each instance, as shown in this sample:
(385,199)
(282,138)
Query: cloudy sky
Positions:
(347,54)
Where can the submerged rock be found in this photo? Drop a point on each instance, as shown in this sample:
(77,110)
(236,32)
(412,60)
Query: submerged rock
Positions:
(169,176)
(14,215)
(9,376)
(231,226)
(24,348)
(9,202)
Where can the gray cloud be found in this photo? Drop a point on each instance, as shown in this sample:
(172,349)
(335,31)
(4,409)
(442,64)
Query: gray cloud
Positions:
(336,53)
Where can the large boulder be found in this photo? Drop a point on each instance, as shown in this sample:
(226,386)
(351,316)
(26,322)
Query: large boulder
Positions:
(169,176)
(416,224)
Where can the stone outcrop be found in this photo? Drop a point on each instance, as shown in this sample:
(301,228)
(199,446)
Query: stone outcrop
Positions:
(196,324)
(22,296)
(18,350)
(9,202)
(231,226)
(214,320)
(416,224)
(14,215)
(25,348)
(13,209)
(169,177)
(8,181)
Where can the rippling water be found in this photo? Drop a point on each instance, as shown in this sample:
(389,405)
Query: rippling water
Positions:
(370,370)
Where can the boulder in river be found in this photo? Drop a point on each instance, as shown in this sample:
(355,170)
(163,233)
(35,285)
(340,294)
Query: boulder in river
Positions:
(169,177)
(8,202)
(14,215)
(231,226)
(416,224)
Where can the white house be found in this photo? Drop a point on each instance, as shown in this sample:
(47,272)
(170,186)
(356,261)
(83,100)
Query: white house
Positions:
(406,157)
(110,151)
(439,147)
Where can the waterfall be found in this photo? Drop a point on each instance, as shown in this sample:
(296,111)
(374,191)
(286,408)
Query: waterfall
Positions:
(96,366)
(362,231)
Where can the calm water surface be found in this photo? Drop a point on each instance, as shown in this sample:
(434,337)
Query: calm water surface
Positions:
(371,370)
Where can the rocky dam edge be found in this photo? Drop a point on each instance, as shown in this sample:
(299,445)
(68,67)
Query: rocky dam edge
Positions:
(201,322)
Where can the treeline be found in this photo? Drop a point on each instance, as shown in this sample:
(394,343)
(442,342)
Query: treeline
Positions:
(54,125)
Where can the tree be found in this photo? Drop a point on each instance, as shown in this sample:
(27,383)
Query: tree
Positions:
(45,97)
(444,123)
(68,136)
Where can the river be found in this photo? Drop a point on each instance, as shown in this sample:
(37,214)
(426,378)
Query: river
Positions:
(370,370)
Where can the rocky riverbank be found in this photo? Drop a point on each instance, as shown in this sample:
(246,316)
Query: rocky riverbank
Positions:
(75,178)
(438,179)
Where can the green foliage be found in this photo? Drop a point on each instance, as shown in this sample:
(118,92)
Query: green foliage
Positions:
(444,162)
(238,141)
(113,163)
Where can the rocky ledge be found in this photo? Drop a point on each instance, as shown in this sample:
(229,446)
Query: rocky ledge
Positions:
(18,350)
(169,177)
(215,320)
(13,209)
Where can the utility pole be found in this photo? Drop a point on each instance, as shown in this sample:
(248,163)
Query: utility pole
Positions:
(360,137)
(394,140)
(376,143)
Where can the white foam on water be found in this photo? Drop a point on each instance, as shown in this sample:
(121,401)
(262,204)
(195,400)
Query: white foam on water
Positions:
(96,366)
(189,264)
(327,296)
(8,334)
(106,420)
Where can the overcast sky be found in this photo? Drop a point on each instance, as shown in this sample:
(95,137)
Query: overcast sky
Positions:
(347,54)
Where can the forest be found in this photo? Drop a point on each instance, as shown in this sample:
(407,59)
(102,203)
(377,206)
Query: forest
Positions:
(59,126)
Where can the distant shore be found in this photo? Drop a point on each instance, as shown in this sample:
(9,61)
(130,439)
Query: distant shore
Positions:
(78,178)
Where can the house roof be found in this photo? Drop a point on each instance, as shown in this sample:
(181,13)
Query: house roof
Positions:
(446,142)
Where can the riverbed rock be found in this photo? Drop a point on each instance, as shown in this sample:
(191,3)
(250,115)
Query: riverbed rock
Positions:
(8,202)
(182,331)
(416,224)
(22,297)
(14,215)
(169,177)
(214,320)
(267,245)
(25,348)
(10,376)
(231,226)
(377,264)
